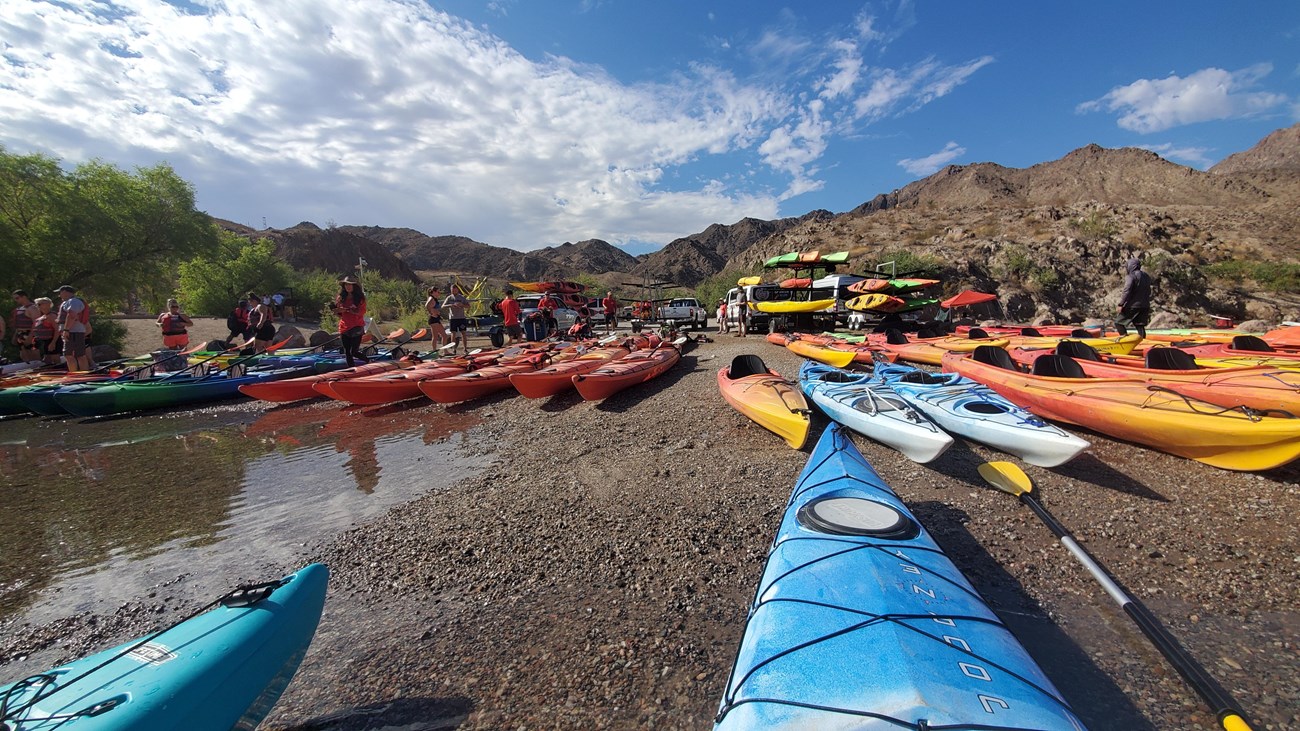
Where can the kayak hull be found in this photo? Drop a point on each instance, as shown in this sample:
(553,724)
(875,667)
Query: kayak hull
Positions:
(861,622)
(770,401)
(974,411)
(220,670)
(124,396)
(297,389)
(636,368)
(873,410)
(557,378)
(821,353)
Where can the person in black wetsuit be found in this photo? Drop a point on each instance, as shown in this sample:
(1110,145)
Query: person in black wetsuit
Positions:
(1134,300)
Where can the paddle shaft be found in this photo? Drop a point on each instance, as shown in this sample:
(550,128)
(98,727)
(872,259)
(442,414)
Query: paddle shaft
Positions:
(1225,708)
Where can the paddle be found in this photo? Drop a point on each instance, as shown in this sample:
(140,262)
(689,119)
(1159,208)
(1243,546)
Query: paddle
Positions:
(399,332)
(125,375)
(191,369)
(1010,479)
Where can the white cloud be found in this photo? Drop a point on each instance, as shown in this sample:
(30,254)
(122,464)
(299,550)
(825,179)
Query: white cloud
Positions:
(390,112)
(1153,105)
(932,163)
(1194,156)
(893,91)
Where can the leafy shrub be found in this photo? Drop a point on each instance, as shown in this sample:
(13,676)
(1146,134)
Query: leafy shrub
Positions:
(1095,225)
(1272,276)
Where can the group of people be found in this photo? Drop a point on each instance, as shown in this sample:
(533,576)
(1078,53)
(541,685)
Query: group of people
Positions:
(742,316)
(252,320)
(42,332)
(457,306)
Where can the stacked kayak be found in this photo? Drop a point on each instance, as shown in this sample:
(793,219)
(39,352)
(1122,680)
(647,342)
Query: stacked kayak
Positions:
(639,367)
(891,286)
(785,307)
(1262,388)
(806,259)
(556,287)
(761,394)
(873,409)
(972,410)
(861,622)
(223,669)
(888,303)
(1132,410)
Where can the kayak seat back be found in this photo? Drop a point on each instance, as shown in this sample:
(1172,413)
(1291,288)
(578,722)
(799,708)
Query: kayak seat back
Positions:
(923,378)
(895,337)
(838,376)
(1170,359)
(746,365)
(1030,332)
(1058,366)
(1079,332)
(995,356)
(1250,342)
(977,333)
(1077,350)
(926,332)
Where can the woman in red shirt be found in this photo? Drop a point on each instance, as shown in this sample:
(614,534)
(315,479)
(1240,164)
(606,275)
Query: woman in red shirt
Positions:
(350,306)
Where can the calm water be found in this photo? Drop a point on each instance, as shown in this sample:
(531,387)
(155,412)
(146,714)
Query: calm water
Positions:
(94,514)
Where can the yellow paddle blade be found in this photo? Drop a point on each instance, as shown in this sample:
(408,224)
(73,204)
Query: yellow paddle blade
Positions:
(1007,477)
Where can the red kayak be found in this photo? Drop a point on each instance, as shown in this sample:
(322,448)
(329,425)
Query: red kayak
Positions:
(296,389)
(1241,345)
(387,388)
(635,368)
(472,385)
(558,377)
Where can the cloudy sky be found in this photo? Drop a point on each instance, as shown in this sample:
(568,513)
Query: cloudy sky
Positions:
(525,123)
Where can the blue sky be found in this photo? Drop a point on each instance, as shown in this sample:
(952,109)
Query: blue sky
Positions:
(526,124)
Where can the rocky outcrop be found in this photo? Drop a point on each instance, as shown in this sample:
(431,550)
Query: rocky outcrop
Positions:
(1280,150)
(691,259)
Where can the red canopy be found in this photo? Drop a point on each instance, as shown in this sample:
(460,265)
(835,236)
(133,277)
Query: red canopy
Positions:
(966,298)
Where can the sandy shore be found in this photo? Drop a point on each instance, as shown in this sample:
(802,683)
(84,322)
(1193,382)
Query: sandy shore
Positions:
(599,573)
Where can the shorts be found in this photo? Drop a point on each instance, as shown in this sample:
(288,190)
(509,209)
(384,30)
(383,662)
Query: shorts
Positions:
(74,344)
(515,331)
(43,346)
(1135,316)
(435,320)
(459,324)
(176,341)
(265,332)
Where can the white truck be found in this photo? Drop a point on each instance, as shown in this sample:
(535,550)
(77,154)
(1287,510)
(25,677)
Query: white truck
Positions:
(684,311)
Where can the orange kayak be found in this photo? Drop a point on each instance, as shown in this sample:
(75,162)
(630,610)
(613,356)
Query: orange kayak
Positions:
(296,389)
(1134,411)
(474,384)
(635,368)
(387,388)
(558,377)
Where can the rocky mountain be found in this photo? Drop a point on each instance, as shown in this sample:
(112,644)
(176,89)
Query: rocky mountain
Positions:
(1279,150)
(691,259)
(307,246)
(593,255)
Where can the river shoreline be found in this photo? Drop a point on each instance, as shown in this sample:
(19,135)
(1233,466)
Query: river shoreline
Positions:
(597,573)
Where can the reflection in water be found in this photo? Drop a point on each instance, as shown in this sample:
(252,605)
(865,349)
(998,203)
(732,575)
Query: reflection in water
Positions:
(101,512)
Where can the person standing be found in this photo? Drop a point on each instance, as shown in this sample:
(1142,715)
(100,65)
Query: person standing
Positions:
(45,331)
(277,305)
(722,317)
(433,306)
(1134,300)
(611,310)
(350,306)
(74,325)
(742,313)
(457,307)
(261,323)
(174,323)
(25,314)
(510,313)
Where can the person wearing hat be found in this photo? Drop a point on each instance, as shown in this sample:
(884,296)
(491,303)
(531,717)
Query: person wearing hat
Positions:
(174,323)
(350,306)
(261,321)
(74,325)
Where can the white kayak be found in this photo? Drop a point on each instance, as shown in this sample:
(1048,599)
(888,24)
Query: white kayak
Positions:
(974,411)
(874,410)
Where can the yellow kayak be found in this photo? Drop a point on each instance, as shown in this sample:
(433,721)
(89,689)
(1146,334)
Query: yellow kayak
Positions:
(829,356)
(1113,346)
(748,281)
(766,398)
(792,306)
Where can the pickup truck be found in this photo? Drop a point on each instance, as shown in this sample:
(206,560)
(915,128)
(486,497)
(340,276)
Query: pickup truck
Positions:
(684,310)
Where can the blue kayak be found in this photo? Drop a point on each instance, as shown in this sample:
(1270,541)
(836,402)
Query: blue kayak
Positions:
(861,622)
(116,397)
(223,669)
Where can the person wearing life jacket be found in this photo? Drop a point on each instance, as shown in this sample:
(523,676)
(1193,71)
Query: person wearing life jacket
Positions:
(350,306)
(25,313)
(237,323)
(74,325)
(174,323)
(45,332)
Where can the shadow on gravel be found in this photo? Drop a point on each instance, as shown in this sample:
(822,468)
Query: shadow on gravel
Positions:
(961,463)
(408,714)
(490,400)
(1087,468)
(562,401)
(630,397)
(1096,699)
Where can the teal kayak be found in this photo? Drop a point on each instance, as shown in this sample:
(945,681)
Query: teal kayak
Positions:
(220,670)
(116,397)
(861,622)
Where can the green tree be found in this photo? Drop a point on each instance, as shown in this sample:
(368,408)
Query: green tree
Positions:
(99,228)
(211,284)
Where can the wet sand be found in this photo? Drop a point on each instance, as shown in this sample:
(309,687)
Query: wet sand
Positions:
(598,573)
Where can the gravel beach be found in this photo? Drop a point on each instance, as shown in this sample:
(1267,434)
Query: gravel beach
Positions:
(598,573)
